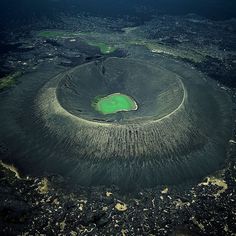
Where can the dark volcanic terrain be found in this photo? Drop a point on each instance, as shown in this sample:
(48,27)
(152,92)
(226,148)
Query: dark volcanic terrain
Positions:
(47,205)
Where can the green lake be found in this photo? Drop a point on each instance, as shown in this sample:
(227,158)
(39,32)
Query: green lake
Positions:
(114,103)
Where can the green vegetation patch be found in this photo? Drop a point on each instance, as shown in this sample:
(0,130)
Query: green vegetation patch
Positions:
(57,34)
(114,103)
(104,48)
(8,81)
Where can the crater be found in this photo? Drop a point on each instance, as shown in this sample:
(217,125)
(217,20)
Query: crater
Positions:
(156,92)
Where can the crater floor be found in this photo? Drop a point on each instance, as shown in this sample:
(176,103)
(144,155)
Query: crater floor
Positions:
(114,103)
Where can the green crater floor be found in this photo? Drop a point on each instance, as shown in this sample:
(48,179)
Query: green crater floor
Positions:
(114,103)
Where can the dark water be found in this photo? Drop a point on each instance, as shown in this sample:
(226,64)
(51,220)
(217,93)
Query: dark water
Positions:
(142,9)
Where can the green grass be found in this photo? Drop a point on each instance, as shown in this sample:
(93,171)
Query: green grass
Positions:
(104,48)
(114,103)
(57,34)
(90,39)
(10,80)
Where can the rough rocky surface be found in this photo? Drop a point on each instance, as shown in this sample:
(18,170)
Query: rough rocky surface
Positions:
(46,205)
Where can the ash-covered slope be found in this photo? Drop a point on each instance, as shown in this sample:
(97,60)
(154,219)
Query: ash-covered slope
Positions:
(179,131)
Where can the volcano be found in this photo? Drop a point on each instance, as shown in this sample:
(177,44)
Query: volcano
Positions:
(178,131)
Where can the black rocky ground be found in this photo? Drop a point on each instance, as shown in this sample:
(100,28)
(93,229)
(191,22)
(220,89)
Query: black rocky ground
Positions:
(47,205)
(20,48)
(197,32)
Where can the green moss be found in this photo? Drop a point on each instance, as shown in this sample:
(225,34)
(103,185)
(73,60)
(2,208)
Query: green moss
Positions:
(9,80)
(114,103)
(57,34)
